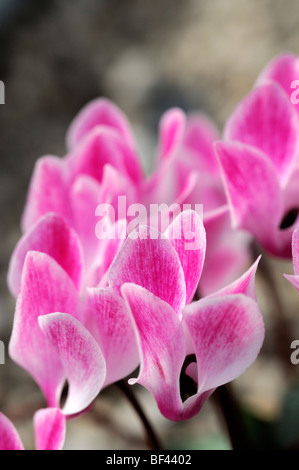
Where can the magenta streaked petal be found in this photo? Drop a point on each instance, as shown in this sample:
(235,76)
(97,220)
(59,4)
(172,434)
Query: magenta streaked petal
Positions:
(172,127)
(9,436)
(85,196)
(148,259)
(81,358)
(244,285)
(200,134)
(295,251)
(49,429)
(252,188)
(111,246)
(266,119)
(103,146)
(283,69)
(53,236)
(116,184)
(99,112)
(227,254)
(48,191)
(188,237)
(162,348)
(110,323)
(227,334)
(45,288)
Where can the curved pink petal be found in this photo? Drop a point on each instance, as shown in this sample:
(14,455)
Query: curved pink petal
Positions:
(188,237)
(172,127)
(110,323)
(267,120)
(85,195)
(9,436)
(283,69)
(48,191)
(199,137)
(244,285)
(99,112)
(115,185)
(81,358)
(49,429)
(295,251)
(106,252)
(148,259)
(207,190)
(227,334)
(111,246)
(162,348)
(253,190)
(53,236)
(227,254)
(294,279)
(166,184)
(45,288)
(100,147)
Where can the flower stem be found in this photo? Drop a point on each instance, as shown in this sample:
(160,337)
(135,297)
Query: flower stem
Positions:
(282,333)
(152,438)
(232,415)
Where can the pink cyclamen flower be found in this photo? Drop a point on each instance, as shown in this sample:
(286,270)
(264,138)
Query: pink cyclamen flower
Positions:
(102,164)
(259,159)
(49,430)
(222,333)
(56,337)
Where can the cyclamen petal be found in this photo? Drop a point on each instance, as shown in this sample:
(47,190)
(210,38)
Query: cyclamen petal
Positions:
(267,120)
(172,127)
(53,236)
(162,348)
(188,237)
(111,325)
(227,253)
(252,188)
(227,334)
(294,279)
(49,429)
(148,259)
(110,246)
(100,147)
(283,69)
(81,358)
(84,198)
(9,436)
(295,251)
(244,285)
(114,185)
(200,135)
(48,191)
(45,288)
(106,251)
(99,112)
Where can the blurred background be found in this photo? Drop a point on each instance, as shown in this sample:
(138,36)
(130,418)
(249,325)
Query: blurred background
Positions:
(146,55)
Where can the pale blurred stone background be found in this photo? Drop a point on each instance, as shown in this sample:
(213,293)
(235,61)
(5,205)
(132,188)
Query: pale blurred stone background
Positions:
(146,55)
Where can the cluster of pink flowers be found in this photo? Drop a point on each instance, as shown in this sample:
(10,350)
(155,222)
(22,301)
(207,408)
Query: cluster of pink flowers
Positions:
(91,311)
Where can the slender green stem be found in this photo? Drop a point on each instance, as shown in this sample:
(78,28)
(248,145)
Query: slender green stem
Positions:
(152,438)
